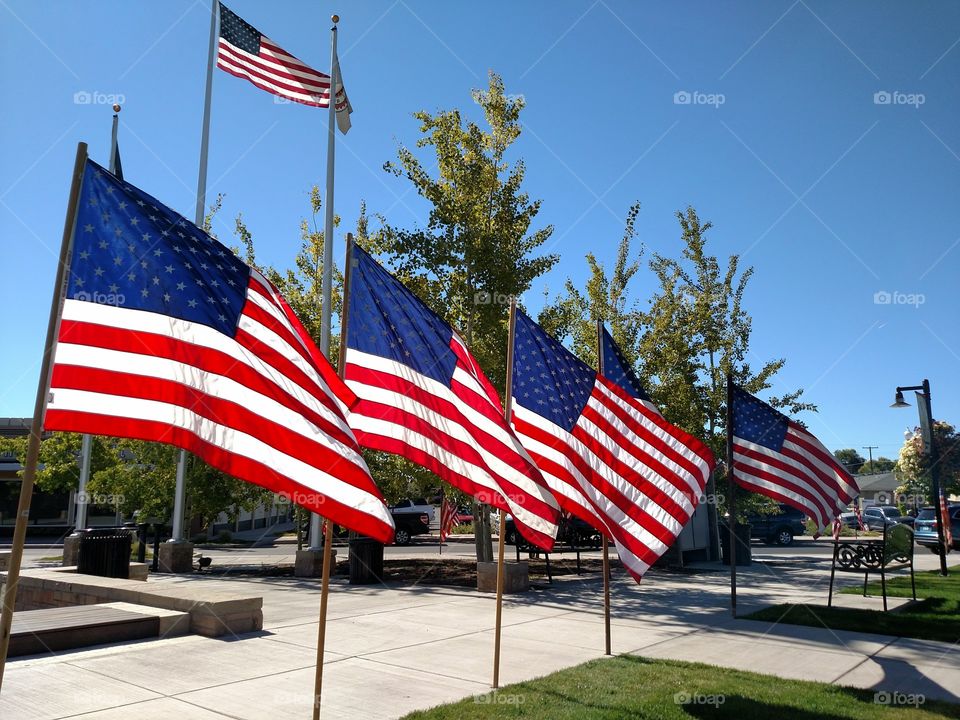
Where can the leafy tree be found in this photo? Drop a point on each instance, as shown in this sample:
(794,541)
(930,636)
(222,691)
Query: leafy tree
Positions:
(850,459)
(878,465)
(477,249)
(912,463)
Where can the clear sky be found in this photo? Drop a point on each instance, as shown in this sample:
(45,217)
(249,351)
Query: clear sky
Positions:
(820,138)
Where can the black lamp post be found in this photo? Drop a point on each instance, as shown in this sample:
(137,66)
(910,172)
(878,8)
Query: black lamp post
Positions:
(933,459)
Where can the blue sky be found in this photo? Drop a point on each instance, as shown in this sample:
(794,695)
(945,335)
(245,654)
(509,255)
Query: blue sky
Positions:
(820,138)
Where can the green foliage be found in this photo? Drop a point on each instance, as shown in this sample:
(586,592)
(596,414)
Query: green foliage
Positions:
(850,459)
(912,464)
(878,465)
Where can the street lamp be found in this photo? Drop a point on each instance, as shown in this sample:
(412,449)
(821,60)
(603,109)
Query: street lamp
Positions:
(933,460)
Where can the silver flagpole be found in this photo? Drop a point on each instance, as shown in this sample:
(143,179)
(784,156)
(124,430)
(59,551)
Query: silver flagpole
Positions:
(327,286)
(180,492)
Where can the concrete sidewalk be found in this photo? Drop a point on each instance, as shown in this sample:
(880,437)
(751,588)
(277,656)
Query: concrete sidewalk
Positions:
(391,650)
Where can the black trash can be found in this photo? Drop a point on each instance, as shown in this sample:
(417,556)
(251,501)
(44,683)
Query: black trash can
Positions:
(105,552)
(366,561)
(742,533)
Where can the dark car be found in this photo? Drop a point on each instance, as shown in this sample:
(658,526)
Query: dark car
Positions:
(877,517)
(573,532)
(409,524)
(779,528)
(926,528)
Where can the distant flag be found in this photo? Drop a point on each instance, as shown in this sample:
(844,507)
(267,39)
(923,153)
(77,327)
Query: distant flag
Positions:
(619,370)
(945,516)
(837,527)
(609,459)
(776,457)
(449,518)
(167,336)
(115,167)
(245,52)
(423,396)
(859,514)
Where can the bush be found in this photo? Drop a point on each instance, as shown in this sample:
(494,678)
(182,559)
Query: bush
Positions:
(464,529)
(224,536)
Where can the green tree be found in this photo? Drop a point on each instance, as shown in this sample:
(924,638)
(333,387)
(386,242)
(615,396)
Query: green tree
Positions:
(850,459)
(478,248)
(912,463)
(878,465)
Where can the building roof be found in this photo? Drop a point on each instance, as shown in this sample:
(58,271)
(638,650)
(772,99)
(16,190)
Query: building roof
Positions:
(877,482)
(15,427)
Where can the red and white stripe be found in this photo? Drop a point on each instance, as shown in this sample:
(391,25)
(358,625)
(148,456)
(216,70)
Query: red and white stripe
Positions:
(457,432)
(263,406)
(623,468)
(275,70)
(804,475)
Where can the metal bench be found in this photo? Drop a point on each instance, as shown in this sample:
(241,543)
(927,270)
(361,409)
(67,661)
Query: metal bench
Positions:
(893,552)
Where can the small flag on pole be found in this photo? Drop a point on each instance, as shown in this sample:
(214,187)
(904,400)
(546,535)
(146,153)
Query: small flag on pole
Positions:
(244,51)
(608,458)
(167,336)
(449,518)
(423,396)
(776,457)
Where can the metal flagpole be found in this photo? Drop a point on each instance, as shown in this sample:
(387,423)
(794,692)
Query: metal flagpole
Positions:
(606,545)
(36,428)
(327,281)
(732,502)
(507,410)
(179,496)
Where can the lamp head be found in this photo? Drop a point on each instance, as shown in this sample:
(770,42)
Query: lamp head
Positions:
(899,402)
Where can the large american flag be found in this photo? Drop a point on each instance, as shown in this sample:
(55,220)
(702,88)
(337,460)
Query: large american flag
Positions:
(614,366)
(610,459)
(423,396)
(244,51)
(167,336)
(776,457)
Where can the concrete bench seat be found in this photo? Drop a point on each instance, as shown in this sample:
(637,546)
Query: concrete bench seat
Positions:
(212,613)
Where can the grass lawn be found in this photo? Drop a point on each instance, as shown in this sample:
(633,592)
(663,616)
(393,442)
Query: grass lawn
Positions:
(635,687)
(935,617)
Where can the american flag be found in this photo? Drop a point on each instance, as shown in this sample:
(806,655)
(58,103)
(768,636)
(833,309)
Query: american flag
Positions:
(776,457)
(423,396)
(615,367)
(166,336)
(610,460)
(449,518)
(245,52)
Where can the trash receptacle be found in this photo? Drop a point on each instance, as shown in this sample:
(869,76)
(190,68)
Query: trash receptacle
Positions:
(366,561)
(742,534)
(105,552)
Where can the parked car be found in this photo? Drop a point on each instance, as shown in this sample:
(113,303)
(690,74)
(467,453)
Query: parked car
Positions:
(925,532)
(877,517)
(573,532)
(416,505)
(779,528)
(409,524)
(464,515)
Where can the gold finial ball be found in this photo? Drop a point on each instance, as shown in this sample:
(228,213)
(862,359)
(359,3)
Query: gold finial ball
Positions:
(335,18)
(116,107)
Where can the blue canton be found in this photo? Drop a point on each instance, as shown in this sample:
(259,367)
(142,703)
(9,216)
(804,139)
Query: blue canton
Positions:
(131,251)
(616,368)
(388,320)
(547,378)
(757,422)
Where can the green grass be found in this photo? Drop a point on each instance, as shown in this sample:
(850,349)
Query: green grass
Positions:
(935,617)
(634,687)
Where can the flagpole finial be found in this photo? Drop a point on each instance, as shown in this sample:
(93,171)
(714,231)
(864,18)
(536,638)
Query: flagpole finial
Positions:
(335,19)
(116,107)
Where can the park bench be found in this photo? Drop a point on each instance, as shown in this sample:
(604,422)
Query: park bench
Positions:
(893,552)
(522,546)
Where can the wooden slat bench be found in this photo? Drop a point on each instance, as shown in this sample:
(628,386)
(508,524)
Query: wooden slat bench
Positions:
(893,552)
(55,629)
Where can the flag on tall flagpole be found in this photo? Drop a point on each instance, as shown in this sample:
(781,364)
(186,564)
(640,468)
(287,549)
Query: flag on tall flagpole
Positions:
(609,459)
(244,51)
(422,395)
(776,457)
(166,336)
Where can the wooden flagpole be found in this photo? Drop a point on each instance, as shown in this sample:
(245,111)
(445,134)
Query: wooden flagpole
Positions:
(606,544)
(732,501)
(9,591)
(507,409)
(328,535)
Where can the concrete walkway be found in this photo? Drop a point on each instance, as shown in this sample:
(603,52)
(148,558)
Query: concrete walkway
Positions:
(391,650)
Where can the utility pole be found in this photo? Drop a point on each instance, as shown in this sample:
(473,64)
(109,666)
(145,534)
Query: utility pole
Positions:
(870,449)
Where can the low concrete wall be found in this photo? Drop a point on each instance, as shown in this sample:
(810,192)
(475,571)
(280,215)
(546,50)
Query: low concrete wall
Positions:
(212,613)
